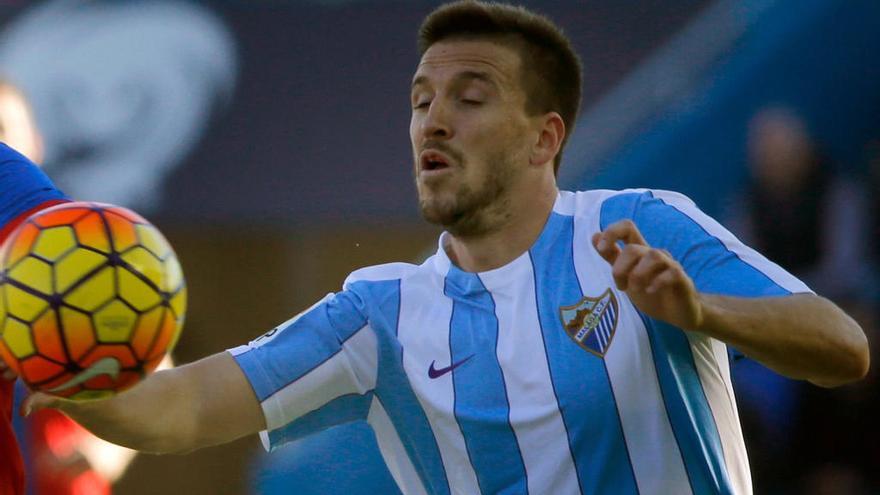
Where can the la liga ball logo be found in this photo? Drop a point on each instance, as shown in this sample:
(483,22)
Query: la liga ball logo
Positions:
(92,297)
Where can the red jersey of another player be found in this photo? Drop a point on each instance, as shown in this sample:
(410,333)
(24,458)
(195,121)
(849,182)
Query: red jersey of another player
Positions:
(11,465)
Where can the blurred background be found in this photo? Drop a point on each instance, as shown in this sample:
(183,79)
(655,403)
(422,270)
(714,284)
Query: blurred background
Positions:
(268,140)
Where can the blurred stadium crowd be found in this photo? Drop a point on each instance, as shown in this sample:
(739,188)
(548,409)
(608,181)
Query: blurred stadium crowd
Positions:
(248,131)
(818,219)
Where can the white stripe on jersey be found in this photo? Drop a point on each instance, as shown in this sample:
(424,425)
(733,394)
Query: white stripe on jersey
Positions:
(393,451)
(424,336)
(653,449)
(534,412)
(387,271)
(335,377)
(710,358)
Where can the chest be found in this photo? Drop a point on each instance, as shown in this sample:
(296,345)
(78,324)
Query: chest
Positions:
(529,346)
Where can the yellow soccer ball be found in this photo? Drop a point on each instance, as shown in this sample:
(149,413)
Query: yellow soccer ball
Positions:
(92,297)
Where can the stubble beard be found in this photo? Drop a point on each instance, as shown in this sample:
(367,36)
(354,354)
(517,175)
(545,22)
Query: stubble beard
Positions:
(473,211)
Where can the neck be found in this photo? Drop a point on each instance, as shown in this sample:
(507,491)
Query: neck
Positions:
(516,233)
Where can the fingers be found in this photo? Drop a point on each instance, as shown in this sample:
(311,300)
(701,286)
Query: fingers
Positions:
(652,264)
(607,250)
(670,277)
(637,267)
(652,279)
(625,231)
(627,261)
(37,401)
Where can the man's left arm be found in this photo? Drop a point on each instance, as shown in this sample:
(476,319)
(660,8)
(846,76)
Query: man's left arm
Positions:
(802,336)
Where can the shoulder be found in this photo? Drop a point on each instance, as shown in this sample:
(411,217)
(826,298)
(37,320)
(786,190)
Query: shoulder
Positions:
(614,205)
(376,274)
(375,290)
(24,188)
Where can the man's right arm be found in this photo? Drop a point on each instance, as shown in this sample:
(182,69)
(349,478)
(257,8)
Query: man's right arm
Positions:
(322,363)
(205,403)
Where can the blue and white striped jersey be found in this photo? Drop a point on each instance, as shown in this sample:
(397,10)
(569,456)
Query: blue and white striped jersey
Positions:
(537,377)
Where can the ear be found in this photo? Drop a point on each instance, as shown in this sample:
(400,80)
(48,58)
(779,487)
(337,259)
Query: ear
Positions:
(550,136)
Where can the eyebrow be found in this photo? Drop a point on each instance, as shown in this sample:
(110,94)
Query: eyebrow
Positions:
(468,75)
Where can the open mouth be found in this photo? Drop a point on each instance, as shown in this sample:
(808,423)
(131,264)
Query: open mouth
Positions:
(433,161)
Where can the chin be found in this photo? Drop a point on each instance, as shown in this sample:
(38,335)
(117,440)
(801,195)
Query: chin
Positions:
(458,222)
(436,212)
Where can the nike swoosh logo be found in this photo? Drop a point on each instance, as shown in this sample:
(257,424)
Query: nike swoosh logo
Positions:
(106,366)
(435,373)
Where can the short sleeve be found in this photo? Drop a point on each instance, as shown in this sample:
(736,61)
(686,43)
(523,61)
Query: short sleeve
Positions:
(314,371)
(714,258)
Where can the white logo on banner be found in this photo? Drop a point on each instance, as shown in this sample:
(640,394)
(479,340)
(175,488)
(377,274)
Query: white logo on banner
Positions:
(121,90)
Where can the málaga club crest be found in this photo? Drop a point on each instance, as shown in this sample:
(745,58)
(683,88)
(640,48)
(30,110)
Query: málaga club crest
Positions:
(591,323)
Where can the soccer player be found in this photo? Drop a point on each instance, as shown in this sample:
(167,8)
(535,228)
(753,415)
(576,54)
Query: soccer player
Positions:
(24,190)
(557,342)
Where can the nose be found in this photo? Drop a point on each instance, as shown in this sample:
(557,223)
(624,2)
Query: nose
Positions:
(436,124)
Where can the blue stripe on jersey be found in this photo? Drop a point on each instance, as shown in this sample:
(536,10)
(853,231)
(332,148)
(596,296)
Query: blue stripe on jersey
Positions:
(22,185)
(587,403)
(394,391)
(687,407)
(481,406)
(341,410)
(306,344)
(714,268)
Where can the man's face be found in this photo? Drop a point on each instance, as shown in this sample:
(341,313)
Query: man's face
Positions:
(469,132)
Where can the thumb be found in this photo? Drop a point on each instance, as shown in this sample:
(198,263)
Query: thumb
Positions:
(37,401)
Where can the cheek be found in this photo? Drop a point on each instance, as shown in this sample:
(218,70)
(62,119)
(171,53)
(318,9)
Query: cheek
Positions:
(413,126)
(506,147)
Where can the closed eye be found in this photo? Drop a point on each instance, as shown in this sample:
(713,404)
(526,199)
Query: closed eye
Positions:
(422,104)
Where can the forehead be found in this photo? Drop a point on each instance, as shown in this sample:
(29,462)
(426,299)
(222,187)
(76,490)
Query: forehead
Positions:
(447,58)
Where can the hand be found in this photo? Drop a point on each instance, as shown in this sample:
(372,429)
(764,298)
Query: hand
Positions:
(38,400)
(653,280)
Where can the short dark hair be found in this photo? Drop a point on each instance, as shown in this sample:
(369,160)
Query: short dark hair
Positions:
(551,70)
